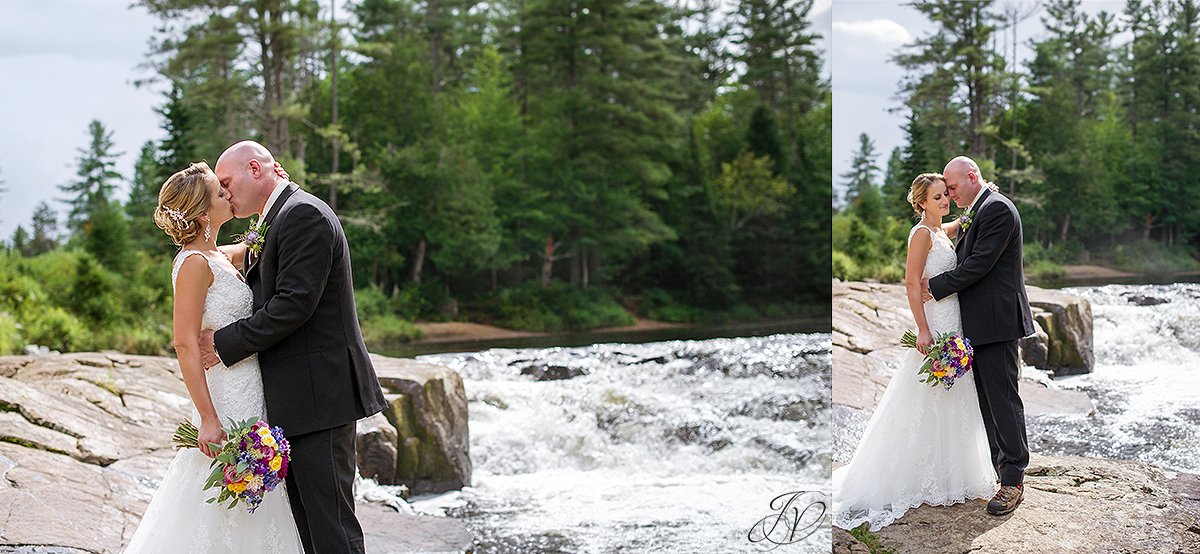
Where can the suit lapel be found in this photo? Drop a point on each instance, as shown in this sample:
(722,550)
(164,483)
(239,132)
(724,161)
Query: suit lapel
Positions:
(983,196)
(288,190)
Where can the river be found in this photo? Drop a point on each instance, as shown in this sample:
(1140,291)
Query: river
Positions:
(1146,381)
(675,446)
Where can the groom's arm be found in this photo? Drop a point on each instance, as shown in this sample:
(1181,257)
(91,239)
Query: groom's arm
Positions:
(996,228)
(305,255)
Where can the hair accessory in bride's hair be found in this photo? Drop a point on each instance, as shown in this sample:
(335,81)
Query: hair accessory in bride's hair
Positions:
(175,214)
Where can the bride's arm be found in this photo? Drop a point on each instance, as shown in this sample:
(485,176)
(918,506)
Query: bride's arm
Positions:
(952,228)
(236,253)
(191,288)
(918,251)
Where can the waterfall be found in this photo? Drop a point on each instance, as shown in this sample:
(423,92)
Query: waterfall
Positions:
(669,446)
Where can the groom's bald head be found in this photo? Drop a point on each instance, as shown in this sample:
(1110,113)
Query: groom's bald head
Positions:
(246,171)
(963,180)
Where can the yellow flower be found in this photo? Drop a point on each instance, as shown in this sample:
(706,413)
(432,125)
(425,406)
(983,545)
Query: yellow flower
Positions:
(263,432)
(962,361)
(269,441)
(276,463)
(238,487)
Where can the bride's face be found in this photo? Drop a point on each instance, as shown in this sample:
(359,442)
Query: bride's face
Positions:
(937,202)
(219,210)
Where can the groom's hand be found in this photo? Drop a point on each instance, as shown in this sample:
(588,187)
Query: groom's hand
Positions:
(208,350)
(926,296)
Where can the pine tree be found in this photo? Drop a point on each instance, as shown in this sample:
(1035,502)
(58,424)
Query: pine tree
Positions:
(896,183)
(143,198)
(45,230)
(178,149)
(954,79)
(20,241)
(95,219)
(862,195)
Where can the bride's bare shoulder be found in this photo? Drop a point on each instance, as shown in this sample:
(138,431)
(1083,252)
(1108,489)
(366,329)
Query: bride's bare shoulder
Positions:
(194,275)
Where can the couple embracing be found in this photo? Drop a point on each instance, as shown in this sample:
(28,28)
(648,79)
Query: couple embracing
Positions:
(927,445)
(264,329)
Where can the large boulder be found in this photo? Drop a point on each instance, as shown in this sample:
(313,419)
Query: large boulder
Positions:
(427,406)
(1066,320)
(376,449)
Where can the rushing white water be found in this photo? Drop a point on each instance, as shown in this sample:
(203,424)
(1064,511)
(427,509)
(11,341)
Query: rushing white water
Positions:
(1146,381)
(673,446)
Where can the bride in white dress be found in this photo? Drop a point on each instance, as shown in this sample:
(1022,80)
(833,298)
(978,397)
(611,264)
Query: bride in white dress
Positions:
(209,294)
(923,444)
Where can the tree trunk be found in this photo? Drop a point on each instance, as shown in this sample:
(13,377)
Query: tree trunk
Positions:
(583,262)
(1066,227)
(418,261)
(548,261)
(333,72)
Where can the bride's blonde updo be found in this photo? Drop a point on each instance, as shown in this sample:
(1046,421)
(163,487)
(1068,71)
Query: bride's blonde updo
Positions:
(920,190)
(184,197)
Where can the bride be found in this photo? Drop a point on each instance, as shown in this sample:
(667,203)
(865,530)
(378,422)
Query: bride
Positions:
(209,294)
(923,444)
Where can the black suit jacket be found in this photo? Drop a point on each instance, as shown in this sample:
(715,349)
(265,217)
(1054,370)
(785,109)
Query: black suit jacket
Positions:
(989,278)
(315,368)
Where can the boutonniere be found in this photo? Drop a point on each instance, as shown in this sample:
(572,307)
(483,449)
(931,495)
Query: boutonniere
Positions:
(254,237)
(964,221)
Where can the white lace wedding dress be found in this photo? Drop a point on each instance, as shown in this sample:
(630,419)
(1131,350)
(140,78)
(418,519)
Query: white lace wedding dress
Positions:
(923,444)
(178,518)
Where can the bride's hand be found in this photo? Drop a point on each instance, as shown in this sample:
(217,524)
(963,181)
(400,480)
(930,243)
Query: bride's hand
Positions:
(924,341)
(210,432)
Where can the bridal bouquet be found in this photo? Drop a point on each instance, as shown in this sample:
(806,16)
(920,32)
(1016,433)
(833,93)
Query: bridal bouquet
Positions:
(948,358)
(252,462)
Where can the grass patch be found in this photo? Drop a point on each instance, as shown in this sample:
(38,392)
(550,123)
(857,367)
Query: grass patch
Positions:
(870,539)
(27,444)
(387,329)
(1043,270)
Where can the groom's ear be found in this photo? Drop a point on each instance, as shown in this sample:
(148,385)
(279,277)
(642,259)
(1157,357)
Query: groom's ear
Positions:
(255,169)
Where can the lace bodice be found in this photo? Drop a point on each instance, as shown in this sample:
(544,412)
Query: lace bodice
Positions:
(236,391)
(943,315)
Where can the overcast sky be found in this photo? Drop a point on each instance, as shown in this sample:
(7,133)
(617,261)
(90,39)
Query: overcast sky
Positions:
(67,62)
(866,34)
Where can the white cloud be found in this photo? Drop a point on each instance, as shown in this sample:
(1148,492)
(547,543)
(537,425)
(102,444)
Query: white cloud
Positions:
(885,32)
(819,7)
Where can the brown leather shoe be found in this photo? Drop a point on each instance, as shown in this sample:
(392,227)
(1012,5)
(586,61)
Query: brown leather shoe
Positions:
(1006,500)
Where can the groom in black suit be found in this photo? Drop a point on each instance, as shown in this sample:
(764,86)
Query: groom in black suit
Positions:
(990,283)
(317,377)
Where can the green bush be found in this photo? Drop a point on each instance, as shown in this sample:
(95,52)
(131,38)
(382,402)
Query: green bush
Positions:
(67,301)
(384,330)
(557,307)
(844,267)
(10,335)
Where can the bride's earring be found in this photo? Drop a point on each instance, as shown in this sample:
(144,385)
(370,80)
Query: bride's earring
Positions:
(208,230)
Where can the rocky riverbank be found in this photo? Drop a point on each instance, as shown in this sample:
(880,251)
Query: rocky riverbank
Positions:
(89,435)
(1073,504)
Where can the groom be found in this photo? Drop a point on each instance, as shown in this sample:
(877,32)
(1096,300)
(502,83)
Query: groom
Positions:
(317,377)
(990,283)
